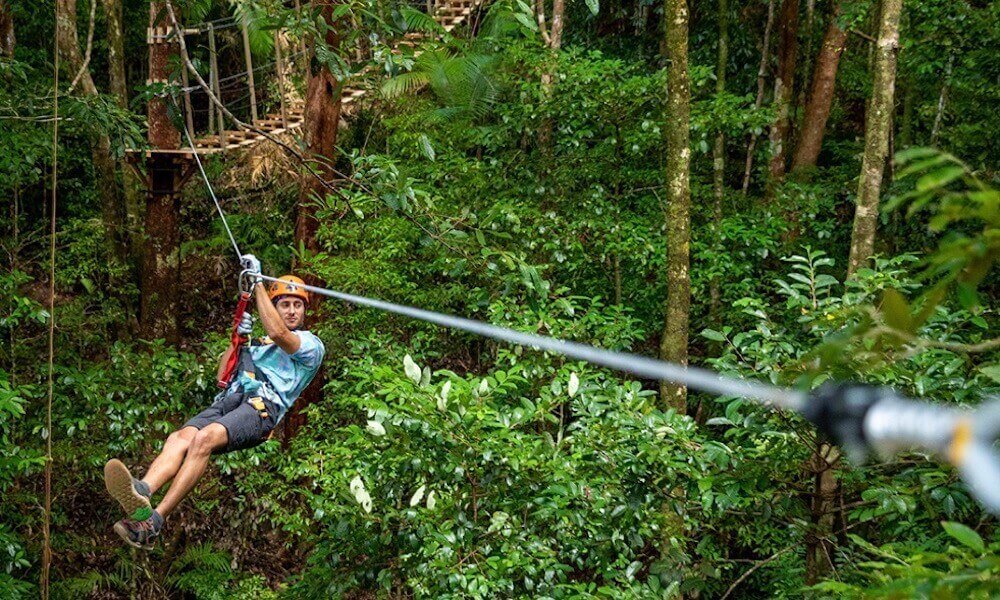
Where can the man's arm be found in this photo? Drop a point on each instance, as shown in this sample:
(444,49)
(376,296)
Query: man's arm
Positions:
(285,338)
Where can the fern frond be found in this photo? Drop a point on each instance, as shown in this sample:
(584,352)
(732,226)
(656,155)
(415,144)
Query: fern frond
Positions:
(404,83)
(420,21)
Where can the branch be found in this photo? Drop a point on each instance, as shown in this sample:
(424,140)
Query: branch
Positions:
(540,16)
(862,35)
(882,328)
(757,566)
(90,47)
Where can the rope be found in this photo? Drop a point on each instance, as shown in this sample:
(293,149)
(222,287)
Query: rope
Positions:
(208,184)
(236,76)
(46,525)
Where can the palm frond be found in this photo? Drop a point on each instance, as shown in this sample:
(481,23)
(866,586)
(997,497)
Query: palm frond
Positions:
(420,21)
(404,83)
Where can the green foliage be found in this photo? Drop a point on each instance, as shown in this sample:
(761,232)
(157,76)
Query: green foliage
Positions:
(936,568)
(442,465)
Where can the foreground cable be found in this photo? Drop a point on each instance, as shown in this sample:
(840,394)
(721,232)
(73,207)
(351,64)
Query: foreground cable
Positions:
(860,418)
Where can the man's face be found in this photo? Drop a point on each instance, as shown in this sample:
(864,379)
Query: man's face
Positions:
(292,311)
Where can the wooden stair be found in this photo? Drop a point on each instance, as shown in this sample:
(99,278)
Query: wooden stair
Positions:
(449,14)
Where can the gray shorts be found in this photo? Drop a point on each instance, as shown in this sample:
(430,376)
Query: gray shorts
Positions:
(244,424)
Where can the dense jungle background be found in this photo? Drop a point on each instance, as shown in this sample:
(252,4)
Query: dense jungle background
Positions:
(783,190)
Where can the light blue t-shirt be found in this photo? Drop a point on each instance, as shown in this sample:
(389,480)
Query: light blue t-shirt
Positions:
(288,374)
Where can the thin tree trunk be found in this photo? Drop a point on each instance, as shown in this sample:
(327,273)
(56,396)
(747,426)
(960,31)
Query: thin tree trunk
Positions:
(118,85)
(942,101)
(673,346)
(819,539)
(878,122)
(784,88)
(821,95)
(112,207)
(765,53)
(719,156)
(116,51)
(552,39)
(7,38)
(319,130)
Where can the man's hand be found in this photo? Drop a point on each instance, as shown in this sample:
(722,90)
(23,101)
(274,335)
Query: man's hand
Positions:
(250,263)
(246,325)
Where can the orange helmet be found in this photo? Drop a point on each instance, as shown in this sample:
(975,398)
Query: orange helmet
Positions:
(287,285)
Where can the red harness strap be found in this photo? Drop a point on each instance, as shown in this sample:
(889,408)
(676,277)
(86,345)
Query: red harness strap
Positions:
(236,340)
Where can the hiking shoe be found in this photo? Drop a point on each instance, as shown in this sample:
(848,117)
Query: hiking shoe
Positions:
(140,534)
(131,493)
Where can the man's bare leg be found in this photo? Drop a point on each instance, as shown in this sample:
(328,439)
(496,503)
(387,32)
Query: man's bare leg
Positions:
(166,465)
(199,451)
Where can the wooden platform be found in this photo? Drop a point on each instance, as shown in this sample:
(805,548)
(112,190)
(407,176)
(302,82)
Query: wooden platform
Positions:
(450,14)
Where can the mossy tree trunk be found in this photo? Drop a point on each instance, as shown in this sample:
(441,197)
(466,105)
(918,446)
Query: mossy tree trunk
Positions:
(878,124)
(7,38)
(673,346)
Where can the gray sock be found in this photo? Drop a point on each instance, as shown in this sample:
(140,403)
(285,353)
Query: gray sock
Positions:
(141,486)
(157,521)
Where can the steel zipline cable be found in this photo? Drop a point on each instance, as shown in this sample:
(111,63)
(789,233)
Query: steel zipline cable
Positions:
(860,418)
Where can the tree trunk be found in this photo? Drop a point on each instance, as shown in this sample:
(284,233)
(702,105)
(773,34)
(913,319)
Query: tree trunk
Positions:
(7,39)
(719,156)
(878,123)
(118,85)
(116,51)
(821,95)
(552,39)
(673,346)
(161,257)
(819,539)
(319,130)
(765,52)
(942,101)
(112,207)
(784,87)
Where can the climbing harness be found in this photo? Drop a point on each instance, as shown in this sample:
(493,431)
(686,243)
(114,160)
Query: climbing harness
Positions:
(237,340)
(860,418)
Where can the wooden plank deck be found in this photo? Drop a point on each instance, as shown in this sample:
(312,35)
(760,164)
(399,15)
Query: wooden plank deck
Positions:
(450,15)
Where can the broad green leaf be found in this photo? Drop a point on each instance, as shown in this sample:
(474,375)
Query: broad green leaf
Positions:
(965,535)
(939,178)
(896,311)
(411,369)
(713,335)
(593,5)
(418,495)
(991,371)
(425,147)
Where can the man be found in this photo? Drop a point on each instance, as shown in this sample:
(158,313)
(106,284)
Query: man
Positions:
(270,376)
